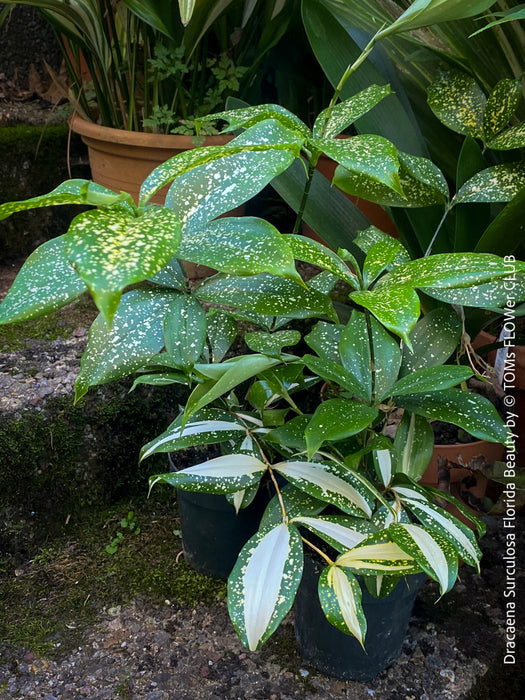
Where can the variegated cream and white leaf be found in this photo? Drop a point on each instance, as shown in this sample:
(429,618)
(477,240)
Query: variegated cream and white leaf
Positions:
(46,282)
(334,530)
(211,430)
(378,555)
(340,598)
(327,484)
(463,509)
(413,445)
(439,521)
(263,583)
(432,552)
(226,474)
(423,13)
(383,465)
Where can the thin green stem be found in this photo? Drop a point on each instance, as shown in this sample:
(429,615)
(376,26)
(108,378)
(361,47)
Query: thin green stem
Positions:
(311,169)
(429,249)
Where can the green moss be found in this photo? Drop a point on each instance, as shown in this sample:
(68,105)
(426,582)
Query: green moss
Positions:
(49,601)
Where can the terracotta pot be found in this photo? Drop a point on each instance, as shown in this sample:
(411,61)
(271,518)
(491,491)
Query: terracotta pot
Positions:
(121,160)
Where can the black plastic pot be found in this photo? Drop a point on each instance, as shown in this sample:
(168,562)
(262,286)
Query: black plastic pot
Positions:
(339,655)
(212,533)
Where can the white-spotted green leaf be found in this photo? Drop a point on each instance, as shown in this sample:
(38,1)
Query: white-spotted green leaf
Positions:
(271,343)
(71,192)
(448,270)
(395,307)
(46,282)
(372,235)
(250,116)
(111,249)
(328,484)
(499,183)
(234,373)
(160,379)
(383,465)
(347,112)
(134,339)
(266,294)
(222,331)
(185,331)
(354,350)
(489,295)
(208,427)
(337,419)
(423,13)
(501,106)
(226,474)
(463,509)
(514,137)
(240,246)
(172,275)
(339,531)
(387,359)
(422,184)
(434,338)
(437,520)
(384,517)
(378,258)
(375,555)
(324,340)
(367,157)
(413,445)
(340,598)
(263,583)
(472,412)
(434,554)
(269,135)
(431,379)
(333,372)
(313,252)
(458,102)
(291,434)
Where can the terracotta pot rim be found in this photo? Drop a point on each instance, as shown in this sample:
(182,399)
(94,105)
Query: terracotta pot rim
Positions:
(172,141)
(474,444)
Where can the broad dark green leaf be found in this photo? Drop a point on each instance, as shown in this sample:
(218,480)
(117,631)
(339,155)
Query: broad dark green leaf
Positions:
(263,583)
(458,102)
(345,113)
(266,294)
(472,412)
(379,258)
(355,353)
(340,597)
(387,359)
(111,249)
(324,340)
(72,192)
(271,343)
(501,105)
(134,339)
(332,371)
(46,282)
(469,220)
(185,331)
(337,419)
(240,246)
(423,13)
(372,235)
(499,183)
(504,233)
(488,295)
(434,338)
(413,445)
(431,379)
(221,331)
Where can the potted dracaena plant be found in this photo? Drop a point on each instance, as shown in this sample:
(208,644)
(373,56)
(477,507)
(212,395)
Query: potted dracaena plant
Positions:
(355,489)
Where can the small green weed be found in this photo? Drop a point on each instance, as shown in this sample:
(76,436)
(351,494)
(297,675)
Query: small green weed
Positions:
(128,523)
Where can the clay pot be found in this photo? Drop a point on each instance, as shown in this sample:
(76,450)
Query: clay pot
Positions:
(121,160)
